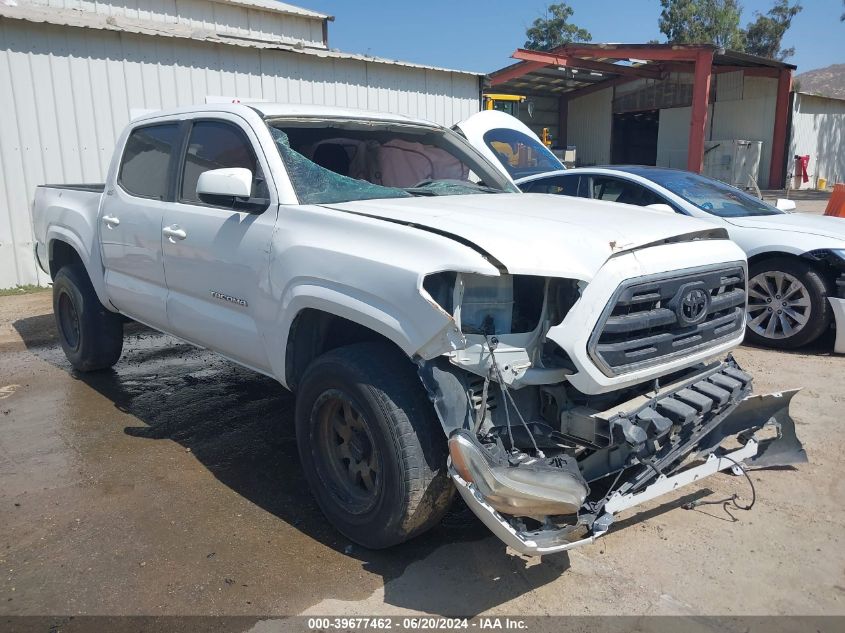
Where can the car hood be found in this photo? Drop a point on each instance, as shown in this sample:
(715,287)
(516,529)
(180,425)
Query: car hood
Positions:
(823,226)
(536,234)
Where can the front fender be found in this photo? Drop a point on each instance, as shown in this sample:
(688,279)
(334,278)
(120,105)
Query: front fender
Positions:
(417,327)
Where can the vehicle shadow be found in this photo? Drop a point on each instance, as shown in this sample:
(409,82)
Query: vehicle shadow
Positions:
(239,426)
(822,346)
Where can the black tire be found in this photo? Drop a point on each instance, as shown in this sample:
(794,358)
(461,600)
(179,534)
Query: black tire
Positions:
(818,315)
(391,437)
(91,336)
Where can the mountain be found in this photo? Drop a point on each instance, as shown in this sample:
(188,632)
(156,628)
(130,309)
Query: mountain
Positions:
(829,82)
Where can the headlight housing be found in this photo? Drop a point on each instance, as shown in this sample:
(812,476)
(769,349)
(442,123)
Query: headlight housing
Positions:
(504,304)
(534,490)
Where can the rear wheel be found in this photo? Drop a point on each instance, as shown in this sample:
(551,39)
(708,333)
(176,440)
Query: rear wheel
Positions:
(787,303)
(90,335)
(371,448)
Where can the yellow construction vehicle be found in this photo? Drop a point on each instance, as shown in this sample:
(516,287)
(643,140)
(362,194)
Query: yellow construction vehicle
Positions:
(502,102)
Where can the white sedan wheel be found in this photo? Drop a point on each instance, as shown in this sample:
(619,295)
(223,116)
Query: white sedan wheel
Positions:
(779,305)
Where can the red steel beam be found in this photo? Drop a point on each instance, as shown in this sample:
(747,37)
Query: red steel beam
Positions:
(700,103)
(552,58)
(515,72)
(688,53)
(776,168)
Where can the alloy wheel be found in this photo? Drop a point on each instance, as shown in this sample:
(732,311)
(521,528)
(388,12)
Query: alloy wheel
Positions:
(779,305)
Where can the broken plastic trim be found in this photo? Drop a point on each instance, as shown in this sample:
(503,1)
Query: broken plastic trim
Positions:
(758,412)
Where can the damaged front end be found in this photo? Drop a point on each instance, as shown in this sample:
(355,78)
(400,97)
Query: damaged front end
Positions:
(547,467)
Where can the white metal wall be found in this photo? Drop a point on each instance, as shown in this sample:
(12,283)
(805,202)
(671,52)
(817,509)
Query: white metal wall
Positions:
(588,126)
(818,130)
(67,93)
(747,114)
(217,17)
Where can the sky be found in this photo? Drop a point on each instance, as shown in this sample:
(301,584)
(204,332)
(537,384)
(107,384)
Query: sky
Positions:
(480,35)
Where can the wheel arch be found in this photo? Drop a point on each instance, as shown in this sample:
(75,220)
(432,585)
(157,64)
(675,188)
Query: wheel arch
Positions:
(66,247)
(315,331)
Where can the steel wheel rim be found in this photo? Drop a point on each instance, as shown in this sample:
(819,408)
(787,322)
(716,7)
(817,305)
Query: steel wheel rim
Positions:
(347,452)
(68,320)
(779,305)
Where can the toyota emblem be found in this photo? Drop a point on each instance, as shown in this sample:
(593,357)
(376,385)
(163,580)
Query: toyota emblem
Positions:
(693,307)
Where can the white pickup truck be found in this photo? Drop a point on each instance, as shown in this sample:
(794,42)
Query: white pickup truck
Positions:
(552,359)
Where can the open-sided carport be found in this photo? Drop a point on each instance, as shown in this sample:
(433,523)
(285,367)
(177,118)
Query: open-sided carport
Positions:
(572,71)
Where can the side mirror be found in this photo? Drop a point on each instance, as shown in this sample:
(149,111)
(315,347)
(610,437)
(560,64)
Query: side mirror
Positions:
(232,182)
(661,207)
(786,205)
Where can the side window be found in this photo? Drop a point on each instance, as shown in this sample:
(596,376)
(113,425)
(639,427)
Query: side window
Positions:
(145,165)
(559,185)
(218,145)
(623,191)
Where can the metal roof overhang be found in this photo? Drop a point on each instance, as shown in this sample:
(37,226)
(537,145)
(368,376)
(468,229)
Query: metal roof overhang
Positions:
(575,69)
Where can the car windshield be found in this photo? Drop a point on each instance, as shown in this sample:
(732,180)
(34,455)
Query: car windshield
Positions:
(522,155)
(712,196)
(331,161)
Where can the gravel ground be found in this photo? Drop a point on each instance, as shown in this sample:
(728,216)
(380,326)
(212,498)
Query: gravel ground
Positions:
(171,486)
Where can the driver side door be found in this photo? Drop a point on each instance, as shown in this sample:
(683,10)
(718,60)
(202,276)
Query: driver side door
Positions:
(216,253)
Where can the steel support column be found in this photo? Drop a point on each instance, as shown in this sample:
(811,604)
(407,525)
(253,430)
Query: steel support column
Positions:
(776,167)
(700,104)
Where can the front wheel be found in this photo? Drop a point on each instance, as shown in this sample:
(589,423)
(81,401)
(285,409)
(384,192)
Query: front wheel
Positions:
(787,303)
(371,448)
(90,335)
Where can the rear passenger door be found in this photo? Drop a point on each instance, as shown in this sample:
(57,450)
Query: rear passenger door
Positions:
(130,222)
(216,253)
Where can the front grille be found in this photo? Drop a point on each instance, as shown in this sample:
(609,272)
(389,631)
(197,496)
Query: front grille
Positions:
(650,320)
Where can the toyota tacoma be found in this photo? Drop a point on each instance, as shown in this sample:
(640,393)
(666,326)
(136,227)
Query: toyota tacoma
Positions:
(556,361)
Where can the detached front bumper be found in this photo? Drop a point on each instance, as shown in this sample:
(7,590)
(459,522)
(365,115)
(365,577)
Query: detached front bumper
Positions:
(739,421)
(541,542)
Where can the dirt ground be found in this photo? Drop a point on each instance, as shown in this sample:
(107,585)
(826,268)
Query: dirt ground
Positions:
(172,486)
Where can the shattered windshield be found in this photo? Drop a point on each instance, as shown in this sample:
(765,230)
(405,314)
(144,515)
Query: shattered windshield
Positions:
(712,196)
(344,160)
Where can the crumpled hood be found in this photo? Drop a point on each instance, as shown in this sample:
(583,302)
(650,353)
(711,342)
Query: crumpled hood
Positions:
(535,234)
(823,226)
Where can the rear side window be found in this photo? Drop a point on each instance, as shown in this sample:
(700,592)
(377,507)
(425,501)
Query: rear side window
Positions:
(145,166)
(559,185)
(218,145)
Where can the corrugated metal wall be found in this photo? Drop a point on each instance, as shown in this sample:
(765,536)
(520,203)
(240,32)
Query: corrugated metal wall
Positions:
(818,130)
(68,92)
(747,114)
(588,127)
(217,17)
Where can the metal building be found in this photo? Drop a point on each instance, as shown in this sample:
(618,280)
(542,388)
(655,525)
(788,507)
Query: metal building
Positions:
(73,72)
(658,104)
(818,131)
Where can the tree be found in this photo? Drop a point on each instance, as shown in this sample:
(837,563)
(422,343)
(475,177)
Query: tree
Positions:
(702,22)
(553,29)
(764,35)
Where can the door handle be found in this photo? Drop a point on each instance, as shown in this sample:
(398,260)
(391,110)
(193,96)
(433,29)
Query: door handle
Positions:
(173,233)
(110,221)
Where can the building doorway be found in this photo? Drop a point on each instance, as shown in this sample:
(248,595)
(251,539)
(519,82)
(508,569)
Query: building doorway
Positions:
(635,138)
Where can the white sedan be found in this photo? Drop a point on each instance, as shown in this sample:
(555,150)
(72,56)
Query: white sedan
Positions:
(796,261)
